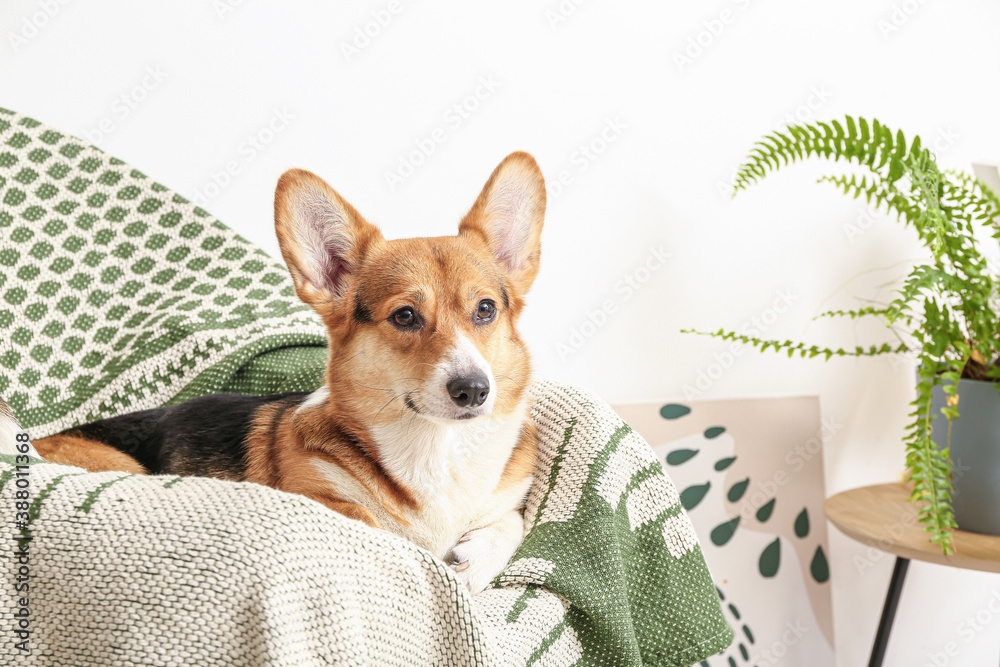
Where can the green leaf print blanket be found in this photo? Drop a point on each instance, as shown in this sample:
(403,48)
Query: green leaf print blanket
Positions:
(117,295)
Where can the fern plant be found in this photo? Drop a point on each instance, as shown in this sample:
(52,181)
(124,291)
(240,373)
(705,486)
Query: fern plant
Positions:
(950,305)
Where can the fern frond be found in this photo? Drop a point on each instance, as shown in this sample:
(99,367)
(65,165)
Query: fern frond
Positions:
(929,465)
(872,145)
(973,198)
(855,314)
(801,349)
(878,193)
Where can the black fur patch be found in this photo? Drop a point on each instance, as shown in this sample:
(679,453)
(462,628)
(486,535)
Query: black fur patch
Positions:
(361,313)
(205,436)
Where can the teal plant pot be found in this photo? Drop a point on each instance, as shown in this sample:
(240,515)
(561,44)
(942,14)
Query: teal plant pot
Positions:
(975,451)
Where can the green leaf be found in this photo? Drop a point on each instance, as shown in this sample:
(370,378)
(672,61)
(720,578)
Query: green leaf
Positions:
(896,170)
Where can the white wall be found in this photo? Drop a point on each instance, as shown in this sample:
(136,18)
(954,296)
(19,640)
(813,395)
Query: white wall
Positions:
(678,133)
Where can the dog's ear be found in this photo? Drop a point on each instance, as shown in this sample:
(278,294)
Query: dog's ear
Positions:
(508,215)
(322,238)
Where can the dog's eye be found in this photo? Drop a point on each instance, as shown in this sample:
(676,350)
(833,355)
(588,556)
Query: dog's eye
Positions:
(486,311)
(404,317)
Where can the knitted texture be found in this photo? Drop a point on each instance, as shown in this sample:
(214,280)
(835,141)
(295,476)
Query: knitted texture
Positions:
(117,295)
(160,570)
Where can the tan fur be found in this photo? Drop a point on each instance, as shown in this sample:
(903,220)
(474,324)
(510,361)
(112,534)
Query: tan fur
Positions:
(522,461)
(87,454)
(350,510)
(289,465)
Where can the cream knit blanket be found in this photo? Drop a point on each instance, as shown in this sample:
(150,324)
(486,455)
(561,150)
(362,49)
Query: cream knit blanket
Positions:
(134,570)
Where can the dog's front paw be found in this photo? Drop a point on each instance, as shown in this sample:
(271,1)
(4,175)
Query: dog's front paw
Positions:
(483,553)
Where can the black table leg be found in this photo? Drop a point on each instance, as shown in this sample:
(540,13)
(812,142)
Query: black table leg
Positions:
(889,611)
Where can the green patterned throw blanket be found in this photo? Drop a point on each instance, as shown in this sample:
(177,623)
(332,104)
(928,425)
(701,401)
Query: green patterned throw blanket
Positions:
(118,295)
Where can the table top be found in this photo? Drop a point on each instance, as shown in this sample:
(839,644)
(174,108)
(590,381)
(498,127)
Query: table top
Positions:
(881,516)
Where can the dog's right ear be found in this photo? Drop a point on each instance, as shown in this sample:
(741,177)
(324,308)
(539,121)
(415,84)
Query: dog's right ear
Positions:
(322,238)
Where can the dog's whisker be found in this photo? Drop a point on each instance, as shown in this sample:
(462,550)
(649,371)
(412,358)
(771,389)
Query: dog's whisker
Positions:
(413,418)
(354,382)
(390,401)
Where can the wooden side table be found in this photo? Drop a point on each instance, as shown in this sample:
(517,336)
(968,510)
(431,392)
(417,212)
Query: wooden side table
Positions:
(880,516)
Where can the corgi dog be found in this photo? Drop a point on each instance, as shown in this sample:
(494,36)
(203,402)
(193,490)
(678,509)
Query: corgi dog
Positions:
(422,427)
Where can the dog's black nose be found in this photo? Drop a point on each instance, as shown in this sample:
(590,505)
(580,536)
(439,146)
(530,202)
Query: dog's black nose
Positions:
(469,392)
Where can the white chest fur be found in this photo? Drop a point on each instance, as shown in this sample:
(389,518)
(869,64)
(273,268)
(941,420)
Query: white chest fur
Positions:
(451,468)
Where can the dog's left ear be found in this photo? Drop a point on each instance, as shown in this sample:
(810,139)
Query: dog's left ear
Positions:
(508,215)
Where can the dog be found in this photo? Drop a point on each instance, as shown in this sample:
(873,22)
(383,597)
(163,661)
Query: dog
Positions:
(422,427)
